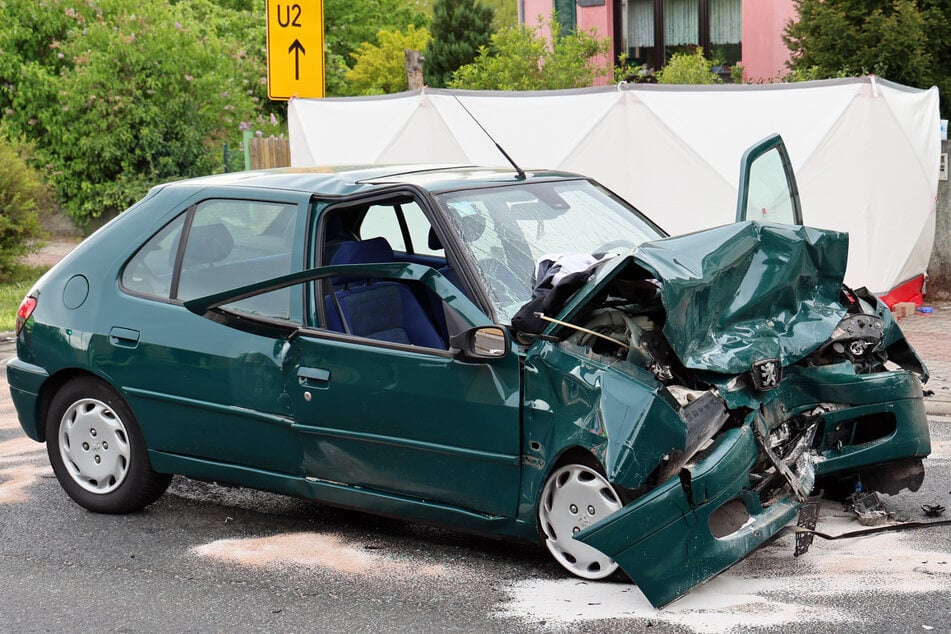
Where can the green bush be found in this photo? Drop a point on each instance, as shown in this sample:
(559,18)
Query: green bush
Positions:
(23,194)
(688,68)
(522,58)
(382,69)
(906,41)
(120,95)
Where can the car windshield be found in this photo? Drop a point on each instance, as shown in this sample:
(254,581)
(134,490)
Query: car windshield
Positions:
(508,229)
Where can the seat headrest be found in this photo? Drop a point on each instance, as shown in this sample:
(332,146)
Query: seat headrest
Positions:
(208,244)
(372,251)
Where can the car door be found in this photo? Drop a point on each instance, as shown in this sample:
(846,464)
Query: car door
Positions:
(417,422)
(209,392)
(767,189)
(394,410)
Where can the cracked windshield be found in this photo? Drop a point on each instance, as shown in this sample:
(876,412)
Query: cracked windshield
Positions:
(509,229)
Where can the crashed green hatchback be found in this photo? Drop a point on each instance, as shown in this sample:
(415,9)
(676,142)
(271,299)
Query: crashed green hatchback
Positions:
(516,354)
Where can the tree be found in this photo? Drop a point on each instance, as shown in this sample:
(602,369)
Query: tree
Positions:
(459,28)
(125,94)
(524,59)
(906,41)
(382,69)
(348,24)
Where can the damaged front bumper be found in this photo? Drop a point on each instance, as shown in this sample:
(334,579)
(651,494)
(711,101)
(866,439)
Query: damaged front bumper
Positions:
(700,522)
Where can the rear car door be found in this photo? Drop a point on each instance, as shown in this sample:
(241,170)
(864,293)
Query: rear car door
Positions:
(211,389)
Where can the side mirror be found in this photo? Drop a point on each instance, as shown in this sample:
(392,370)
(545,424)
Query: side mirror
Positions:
(482,343)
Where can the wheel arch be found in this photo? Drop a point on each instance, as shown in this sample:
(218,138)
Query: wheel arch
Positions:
(572,454)
(54,384)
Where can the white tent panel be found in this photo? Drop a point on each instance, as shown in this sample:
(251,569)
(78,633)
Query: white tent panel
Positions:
(423,137)
(629,172)
(865,150)
(721,124)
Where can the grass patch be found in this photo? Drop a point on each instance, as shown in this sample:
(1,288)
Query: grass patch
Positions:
(13,291)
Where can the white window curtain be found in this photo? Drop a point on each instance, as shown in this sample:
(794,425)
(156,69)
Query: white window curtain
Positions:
(681,22)
(726,21)
(641,22)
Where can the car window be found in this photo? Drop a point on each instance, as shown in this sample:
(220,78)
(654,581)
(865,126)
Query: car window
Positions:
(508,230)
(399,312)
(232,243)
(767,190)
(229,243)
(149,272)
(769,197)
(383,221)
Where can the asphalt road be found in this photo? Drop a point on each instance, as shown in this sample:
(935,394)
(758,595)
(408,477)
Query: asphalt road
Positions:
(206,558)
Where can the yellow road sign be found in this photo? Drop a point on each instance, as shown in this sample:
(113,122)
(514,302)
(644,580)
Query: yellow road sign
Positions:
(295,48)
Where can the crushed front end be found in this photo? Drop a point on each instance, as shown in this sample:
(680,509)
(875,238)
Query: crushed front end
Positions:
(722,372)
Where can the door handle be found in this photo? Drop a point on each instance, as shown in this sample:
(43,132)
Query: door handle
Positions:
(313,377)
(124,337)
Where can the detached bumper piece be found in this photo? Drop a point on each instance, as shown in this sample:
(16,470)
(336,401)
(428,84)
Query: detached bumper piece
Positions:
(692,527)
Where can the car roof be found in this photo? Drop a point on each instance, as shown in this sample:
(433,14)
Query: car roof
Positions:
(342,180)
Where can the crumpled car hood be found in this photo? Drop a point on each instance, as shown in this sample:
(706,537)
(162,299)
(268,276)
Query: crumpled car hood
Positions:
(748,291)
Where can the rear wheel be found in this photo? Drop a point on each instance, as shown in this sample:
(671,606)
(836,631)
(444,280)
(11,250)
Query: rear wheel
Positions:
(576,496)
(97,450)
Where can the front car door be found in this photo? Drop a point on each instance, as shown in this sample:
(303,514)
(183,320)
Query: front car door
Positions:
(397,420)
(768,191)
(379,399)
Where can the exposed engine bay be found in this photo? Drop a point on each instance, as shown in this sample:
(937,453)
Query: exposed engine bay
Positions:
(626,327)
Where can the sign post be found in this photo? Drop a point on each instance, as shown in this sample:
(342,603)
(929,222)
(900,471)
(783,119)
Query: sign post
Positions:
(295,49)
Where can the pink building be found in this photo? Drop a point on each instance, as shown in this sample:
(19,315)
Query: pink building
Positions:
(748,32)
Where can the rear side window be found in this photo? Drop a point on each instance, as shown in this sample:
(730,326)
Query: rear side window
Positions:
(228,244)
(150,270)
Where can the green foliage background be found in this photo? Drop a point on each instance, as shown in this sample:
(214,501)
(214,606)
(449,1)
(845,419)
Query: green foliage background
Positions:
(688,68)
(382,69)
(23,195)
(907,41)
(521,58)
(460,28)
(350,23)
(120,95)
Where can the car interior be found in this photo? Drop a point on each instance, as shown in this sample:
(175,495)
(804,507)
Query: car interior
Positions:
(396,311)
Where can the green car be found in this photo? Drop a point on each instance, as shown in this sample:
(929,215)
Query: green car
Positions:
(517,354)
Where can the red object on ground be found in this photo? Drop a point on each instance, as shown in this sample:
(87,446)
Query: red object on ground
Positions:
(909,291)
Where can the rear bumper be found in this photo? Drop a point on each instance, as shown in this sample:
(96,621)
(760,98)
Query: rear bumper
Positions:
(665,540)
(25,381)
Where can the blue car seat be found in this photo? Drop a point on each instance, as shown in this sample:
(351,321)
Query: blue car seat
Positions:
(383,310)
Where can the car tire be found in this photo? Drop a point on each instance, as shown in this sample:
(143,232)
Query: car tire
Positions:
(97,450)
(575,496)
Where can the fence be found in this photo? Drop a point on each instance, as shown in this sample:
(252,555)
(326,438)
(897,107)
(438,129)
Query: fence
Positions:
(267,152)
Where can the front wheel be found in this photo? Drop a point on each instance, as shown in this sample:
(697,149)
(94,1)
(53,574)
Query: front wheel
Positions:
(576,496)
(97,450)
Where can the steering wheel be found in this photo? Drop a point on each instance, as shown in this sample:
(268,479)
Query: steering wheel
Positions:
(614,244)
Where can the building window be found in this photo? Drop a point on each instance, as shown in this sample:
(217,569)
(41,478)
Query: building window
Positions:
(653,30)
(566,14)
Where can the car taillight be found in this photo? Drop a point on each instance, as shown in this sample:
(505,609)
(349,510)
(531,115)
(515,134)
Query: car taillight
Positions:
(26,309)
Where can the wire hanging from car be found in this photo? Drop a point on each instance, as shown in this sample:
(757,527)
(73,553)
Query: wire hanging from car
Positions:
(520,173)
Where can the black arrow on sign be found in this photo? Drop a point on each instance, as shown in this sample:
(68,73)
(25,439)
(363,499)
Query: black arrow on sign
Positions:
(298,50)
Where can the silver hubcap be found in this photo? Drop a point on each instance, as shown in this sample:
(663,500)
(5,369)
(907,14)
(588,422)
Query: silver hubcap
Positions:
(94,446)
(574,498)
